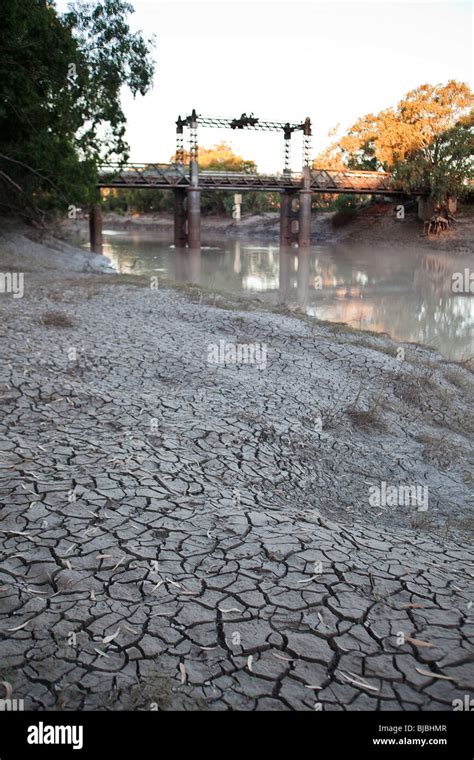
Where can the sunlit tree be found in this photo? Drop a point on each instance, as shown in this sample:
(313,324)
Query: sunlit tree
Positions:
(426,140)
(420,118)
(221,157)
(445,166)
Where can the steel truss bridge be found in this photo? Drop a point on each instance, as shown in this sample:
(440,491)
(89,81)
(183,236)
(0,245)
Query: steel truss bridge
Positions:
(187,181)
(184,171)
(177,176)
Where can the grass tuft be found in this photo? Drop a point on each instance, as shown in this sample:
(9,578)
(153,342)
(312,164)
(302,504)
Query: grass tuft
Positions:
(56,319)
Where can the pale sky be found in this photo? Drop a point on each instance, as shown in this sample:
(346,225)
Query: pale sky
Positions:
(332,61)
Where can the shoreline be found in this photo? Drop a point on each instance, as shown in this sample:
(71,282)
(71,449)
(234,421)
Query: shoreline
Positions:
(25,248)
(375,224)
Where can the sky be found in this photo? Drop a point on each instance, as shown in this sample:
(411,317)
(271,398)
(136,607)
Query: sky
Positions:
(332,61)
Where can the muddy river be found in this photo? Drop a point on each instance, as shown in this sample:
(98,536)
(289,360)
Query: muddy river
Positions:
(406,292)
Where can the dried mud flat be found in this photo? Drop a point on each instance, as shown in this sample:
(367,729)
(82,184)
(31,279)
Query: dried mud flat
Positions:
(182,535)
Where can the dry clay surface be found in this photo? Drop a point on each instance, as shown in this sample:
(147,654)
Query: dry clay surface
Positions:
(179,534)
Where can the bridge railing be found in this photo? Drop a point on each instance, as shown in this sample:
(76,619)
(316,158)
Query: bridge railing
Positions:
(223,178)
(143,174)
(177,175)
(359,181)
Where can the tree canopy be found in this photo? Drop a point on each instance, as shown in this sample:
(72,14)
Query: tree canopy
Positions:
(221,157)
(426,140)
(60,83)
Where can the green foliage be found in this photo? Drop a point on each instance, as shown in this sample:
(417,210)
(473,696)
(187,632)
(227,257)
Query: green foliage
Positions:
(346,209)
(142,201)
(219,202)
(444,166)
(60,112)
(346,201)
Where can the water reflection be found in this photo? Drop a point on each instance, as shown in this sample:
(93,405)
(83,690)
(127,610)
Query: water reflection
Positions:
(404,292)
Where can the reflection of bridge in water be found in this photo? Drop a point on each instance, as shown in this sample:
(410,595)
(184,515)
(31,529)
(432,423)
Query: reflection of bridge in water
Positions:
(184,178)
(381,292)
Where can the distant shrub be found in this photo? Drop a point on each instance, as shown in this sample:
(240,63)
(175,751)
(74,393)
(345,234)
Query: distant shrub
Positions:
(346,216)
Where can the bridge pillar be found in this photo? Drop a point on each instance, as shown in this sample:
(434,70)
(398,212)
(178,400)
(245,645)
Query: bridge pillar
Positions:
(286,217)
(95,228)
(304,219)
(180,236)
(194,217)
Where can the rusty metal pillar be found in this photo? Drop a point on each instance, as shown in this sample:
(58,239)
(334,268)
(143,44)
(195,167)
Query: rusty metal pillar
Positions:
(288,217)
(180,236)
(304,228)
(95,228)
(304,217)
(286,198)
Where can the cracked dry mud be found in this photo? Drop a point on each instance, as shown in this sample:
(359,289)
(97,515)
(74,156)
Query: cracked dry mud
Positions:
(219,542)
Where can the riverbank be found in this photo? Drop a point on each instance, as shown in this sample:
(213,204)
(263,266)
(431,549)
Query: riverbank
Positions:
(225,535)
(375,224)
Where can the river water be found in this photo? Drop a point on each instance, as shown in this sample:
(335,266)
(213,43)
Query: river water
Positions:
(405,292)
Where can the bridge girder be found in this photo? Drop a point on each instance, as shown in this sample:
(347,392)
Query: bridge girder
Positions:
(172,176)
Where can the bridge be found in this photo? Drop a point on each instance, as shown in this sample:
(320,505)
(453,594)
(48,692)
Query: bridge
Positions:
(178,176)
(186,180)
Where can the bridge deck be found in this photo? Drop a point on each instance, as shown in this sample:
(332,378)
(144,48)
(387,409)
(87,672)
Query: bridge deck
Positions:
(175,176)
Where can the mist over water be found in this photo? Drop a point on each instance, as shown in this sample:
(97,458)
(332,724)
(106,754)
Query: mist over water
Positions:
(405,292)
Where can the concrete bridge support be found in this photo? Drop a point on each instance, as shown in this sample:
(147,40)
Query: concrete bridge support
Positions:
(187,218)
(194,218)
(304,219)
(95,228)
(180,233)
(287,216)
